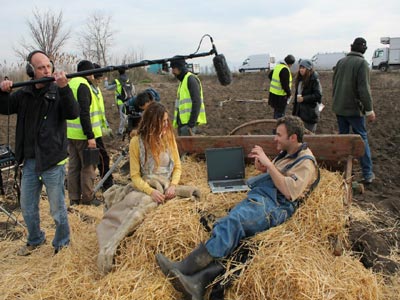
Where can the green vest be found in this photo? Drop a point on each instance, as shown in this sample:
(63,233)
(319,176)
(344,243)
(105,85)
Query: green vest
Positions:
(118,92)
(74,127)
(276,86)
(183,104)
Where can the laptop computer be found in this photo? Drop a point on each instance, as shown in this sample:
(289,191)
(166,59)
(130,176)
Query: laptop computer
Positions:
(226,169)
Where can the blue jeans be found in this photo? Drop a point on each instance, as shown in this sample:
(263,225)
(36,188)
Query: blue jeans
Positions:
(31,187)
(357,125)
(122,118)
(263,208)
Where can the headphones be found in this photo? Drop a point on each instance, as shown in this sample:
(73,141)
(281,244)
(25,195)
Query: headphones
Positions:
(30,70)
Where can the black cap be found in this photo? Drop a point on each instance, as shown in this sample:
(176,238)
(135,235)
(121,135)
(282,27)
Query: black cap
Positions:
(290,59)
(85,65)
(359,45)
(178,63)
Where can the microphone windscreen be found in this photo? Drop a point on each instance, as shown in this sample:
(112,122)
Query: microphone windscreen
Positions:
(221,68)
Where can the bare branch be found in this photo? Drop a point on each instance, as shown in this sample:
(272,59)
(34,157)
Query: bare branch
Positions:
(96,40)
(46,34)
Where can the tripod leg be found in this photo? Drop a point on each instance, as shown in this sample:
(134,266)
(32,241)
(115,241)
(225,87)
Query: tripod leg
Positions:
(114,166)
(1,184)
(10,215)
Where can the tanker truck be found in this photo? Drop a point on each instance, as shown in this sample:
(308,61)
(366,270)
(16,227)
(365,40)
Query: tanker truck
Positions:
(388,57)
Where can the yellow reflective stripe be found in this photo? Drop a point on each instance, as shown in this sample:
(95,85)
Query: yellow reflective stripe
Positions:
(63,162)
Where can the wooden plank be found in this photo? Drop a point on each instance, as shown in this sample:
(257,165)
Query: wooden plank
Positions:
(327,147)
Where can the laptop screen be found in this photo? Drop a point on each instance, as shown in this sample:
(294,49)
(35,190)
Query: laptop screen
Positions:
(225,163)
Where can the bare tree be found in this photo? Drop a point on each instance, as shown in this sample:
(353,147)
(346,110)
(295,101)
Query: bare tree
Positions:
(96,40)
(46,33)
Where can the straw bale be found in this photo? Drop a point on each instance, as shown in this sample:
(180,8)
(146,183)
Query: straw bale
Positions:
(296,260)
(291,261)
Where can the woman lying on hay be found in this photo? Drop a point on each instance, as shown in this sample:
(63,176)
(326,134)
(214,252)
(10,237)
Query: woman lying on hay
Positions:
(155,169)
(274,197)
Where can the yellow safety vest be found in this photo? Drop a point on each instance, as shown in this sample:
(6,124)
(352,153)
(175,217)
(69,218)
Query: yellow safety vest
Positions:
(118,92)
(100,100)
(183,104)
(74,127)
(276,86)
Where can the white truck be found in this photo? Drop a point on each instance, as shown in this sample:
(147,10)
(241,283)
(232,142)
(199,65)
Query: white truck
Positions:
(389,57)
(258,62)
(326,61)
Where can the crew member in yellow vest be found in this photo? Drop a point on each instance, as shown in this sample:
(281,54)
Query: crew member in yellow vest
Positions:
(104,161)
(279,89)
(189,105)
(82,133)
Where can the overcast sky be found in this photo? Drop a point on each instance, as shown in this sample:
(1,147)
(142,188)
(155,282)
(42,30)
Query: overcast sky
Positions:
(162,29)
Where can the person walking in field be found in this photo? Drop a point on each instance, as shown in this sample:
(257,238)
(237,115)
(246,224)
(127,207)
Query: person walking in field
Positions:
(352,100)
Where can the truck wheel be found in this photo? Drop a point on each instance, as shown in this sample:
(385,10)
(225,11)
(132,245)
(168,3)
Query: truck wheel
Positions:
(383,68)
(241,71)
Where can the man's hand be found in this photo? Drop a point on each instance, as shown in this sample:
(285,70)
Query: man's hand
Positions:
(259,166)
(261,159)
(371,117)
(185,130)
(61,79)
(6,86)
(92,143)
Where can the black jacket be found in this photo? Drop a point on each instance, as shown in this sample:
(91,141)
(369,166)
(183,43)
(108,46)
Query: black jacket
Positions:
(55,106)
(312,94)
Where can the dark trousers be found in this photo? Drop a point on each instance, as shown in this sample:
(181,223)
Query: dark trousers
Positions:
(104,163)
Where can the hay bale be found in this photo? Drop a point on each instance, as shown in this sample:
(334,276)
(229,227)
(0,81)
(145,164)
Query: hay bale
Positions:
(292,261)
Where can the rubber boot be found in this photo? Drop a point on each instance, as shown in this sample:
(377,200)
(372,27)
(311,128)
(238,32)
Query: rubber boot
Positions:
(194,286)
(197,260)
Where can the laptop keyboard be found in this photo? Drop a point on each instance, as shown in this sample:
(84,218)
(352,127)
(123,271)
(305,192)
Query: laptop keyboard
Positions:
(229,183)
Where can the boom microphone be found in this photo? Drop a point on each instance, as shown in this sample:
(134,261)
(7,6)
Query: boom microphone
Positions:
(221,67)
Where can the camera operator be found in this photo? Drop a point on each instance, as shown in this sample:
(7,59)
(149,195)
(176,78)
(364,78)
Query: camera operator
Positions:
(136,106)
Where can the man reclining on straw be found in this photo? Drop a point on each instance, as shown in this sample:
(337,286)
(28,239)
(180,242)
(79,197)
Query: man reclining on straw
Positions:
(155,169)
(274,197)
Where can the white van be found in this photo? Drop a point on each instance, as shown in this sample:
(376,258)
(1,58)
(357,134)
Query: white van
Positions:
(326,61)
(258,62)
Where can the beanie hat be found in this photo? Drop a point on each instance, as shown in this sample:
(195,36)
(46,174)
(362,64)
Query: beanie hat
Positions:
(85,65)
(290,59)
(178,63)
(98,75)
(306,63)
(359,45)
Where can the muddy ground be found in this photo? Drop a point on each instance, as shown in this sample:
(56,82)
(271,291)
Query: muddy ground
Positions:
(245,99)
